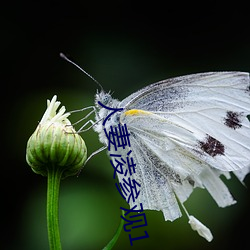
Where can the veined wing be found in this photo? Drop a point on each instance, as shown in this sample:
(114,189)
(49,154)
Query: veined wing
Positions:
(185,133)
(176,93)
(203,113)
(167,165)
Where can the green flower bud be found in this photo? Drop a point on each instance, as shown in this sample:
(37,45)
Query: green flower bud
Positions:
(55,144)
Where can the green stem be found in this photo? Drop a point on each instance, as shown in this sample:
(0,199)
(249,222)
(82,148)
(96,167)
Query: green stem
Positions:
(54,177)
(112,242)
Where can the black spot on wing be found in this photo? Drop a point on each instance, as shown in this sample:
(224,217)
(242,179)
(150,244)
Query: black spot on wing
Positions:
(233,119)
(212,146)
(190,181)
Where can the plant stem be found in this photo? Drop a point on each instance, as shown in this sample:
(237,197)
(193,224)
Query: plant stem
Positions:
(112,242)
(54,177)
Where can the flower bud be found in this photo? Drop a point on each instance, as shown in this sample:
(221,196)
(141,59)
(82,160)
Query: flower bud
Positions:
(55,144)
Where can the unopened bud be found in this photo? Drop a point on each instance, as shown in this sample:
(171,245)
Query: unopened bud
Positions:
(55,143)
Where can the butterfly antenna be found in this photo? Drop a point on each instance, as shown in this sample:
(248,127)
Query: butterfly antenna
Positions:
(90,76)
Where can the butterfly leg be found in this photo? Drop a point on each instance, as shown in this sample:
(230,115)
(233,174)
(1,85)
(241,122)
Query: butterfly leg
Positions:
(83,127)
(91,155)
(86,116)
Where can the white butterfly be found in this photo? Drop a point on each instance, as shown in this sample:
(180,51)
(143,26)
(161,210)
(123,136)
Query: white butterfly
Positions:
(185,132)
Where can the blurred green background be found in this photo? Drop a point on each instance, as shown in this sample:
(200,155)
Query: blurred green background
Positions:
(125,47)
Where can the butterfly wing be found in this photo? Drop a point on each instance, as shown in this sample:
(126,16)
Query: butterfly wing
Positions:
(211,106)
(184,132)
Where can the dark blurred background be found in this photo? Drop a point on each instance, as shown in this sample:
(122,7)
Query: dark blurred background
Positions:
(125,46)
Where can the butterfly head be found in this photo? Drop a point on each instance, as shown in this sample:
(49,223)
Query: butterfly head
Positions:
(103,97)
